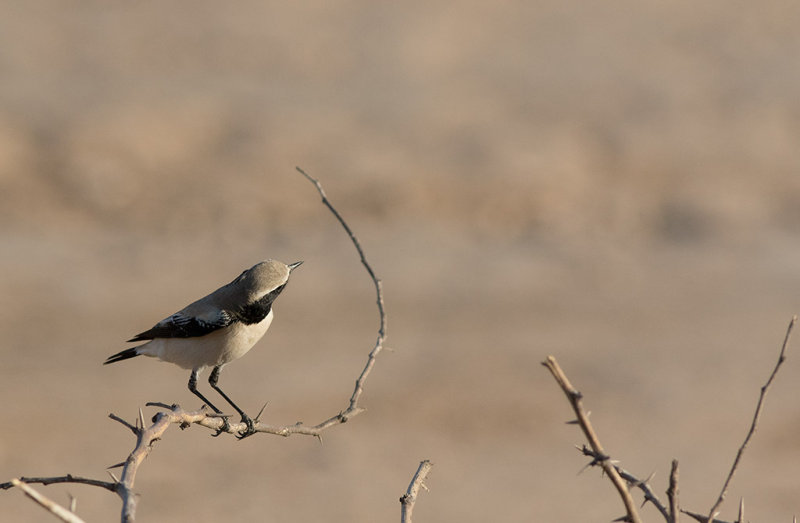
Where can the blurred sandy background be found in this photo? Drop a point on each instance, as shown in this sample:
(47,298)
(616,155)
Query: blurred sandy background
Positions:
(615,183)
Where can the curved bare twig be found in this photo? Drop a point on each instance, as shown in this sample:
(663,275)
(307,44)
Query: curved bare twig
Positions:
(781,358)
(378,292)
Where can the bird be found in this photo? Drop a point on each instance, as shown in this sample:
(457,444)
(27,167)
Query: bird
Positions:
(216,329)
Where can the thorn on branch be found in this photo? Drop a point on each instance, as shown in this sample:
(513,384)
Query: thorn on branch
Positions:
(162,405)
(260,412)
(125,423)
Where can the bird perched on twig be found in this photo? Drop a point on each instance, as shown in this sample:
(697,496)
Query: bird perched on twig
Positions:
(216,329)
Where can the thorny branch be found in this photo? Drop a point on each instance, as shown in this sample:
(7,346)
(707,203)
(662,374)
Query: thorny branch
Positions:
(599,455)
(670,513)
(408,499)
(147,436)
(633,481)
(123,487)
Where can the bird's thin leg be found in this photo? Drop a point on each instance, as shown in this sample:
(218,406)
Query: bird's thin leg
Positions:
(193,388)
(212,380)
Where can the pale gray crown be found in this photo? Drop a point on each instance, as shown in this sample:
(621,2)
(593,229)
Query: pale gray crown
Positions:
(262,278)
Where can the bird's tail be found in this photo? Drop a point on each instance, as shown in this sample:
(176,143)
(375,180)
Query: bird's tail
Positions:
(124,355)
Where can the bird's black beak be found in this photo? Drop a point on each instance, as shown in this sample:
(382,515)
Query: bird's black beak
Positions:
(293,266)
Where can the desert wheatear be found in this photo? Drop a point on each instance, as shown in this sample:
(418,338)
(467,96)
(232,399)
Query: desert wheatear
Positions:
(216,329)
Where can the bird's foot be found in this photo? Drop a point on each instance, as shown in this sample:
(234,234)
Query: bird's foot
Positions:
(250,430)
(226,427)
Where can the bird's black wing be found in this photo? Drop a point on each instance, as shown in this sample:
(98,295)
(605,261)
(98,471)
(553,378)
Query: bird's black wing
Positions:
(181,325)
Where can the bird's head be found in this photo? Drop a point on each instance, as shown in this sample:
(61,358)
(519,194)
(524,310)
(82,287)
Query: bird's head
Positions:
(265,277)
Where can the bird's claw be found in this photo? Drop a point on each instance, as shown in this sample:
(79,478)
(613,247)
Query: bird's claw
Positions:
(226,427)
(250,430)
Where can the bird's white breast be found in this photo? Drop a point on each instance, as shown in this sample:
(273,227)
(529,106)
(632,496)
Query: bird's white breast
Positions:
(218,348)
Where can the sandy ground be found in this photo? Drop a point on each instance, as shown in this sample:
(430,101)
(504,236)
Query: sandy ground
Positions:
(613,184)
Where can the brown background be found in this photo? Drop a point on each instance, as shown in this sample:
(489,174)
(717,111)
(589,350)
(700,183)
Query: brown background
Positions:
(614,183)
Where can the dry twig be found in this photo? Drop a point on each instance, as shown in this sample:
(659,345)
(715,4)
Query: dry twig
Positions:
(47,503)
(599,455)
(672,494)
(353,408)
(753,425)
(69,478)
(408,499)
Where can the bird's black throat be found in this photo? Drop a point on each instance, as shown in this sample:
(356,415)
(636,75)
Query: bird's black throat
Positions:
(256,311)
